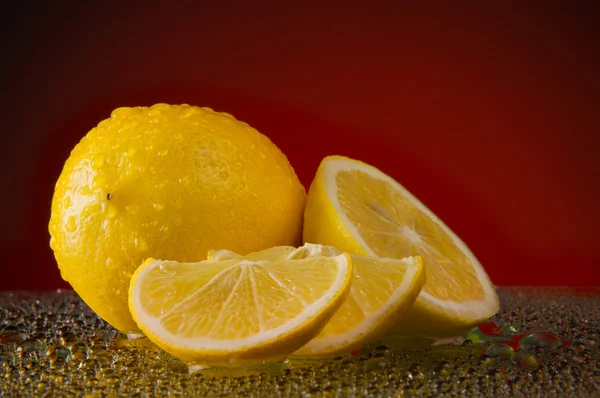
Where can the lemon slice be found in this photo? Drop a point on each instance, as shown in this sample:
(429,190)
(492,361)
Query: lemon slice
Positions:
(382,291)
(359,209)
(237,312)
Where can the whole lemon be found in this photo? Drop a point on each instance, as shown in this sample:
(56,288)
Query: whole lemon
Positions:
(169,182)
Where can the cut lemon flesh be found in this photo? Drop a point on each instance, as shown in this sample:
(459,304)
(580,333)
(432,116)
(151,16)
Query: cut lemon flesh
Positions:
(237,312)
(270,254)
(359,209)
(382,291)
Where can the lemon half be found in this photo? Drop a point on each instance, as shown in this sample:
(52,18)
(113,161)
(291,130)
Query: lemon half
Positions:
(359,209)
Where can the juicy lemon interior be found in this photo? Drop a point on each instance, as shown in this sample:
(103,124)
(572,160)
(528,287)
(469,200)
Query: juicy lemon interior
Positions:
(393,226)
(382,290)
(233,299)
(373,283)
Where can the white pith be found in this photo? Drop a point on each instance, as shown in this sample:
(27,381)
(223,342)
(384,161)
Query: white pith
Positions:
(469,309)
(154,326)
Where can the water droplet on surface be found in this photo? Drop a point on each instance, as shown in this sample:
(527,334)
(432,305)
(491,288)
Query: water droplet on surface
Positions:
(525,359)
(57,379)
(111,212)
(132,209)
(590,343)
(91,382)
(113,380)
(177,203)
(59,350)
(478,336)
(542,340)
(75,345)
(106,356)
(185,181)
(140,244)
(100,341)
(79,356)
(381,350)
(99,161)
(377,364)
(500,351)
(71,224)
(99,182)
(41,385)
(442,368)
(132,152)
(32,345)
(54,359)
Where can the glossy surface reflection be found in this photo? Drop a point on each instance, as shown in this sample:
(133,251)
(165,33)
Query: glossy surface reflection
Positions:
(543,342)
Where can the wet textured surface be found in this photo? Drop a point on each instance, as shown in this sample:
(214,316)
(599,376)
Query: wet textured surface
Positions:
(544,342)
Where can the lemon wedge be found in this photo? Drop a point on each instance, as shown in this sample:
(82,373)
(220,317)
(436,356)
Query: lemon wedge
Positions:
(359,209)
(237,312)
(382,291)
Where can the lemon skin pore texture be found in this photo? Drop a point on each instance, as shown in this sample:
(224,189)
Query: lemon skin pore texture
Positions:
(169,182)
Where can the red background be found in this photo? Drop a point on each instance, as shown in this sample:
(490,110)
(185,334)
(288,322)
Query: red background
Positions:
(489,115)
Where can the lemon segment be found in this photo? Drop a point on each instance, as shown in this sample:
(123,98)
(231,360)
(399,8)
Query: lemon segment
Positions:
(359,209)
(382,292)
(237,312)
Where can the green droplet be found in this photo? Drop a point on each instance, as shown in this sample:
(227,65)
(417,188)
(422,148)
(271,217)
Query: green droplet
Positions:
(500,351)
(477,336)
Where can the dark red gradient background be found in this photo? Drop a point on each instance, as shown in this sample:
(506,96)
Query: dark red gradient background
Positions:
(489,115)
